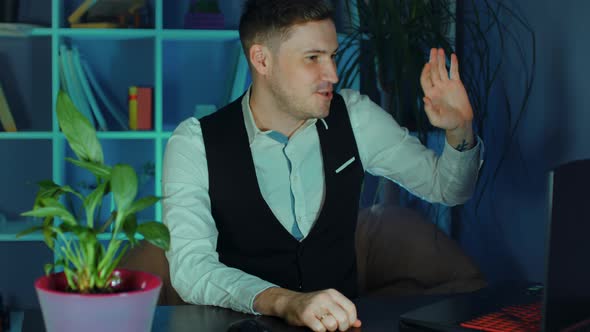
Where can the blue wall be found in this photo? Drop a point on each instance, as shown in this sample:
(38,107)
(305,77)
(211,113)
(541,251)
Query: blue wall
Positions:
(506,233)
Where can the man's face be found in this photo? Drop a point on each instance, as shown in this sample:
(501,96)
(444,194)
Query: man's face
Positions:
(303,72)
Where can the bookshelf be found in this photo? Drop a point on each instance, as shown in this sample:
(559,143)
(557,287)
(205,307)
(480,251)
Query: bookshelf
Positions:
(184,67)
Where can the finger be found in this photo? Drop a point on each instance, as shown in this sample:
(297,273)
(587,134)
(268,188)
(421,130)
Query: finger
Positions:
(426,79)
(357,323)
(338,315)
(455,68)
(329,322)
(442,65)
(434,74)
(347,306)
(315,324)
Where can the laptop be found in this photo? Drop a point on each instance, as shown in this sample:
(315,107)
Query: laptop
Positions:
(562,303)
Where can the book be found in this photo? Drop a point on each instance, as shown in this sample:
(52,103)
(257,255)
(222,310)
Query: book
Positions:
(87,92)
(80,11)
(104,13)
(106,102)
(95,25)
(6,119)
(133,107)
(144,108)
(72,87)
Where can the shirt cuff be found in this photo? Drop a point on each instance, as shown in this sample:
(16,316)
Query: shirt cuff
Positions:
(467,154)
(251,292)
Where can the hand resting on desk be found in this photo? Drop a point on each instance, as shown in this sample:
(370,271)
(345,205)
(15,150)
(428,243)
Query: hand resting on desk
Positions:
(326,310)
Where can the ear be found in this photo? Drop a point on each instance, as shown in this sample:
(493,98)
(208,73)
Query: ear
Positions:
(260,59)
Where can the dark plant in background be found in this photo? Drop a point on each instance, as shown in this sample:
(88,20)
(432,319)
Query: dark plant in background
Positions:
(393,37)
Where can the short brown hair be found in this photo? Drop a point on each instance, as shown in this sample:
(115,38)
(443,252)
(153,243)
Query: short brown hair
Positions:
(263,20)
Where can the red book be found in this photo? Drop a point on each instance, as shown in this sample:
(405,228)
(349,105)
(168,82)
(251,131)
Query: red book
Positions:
(144,108)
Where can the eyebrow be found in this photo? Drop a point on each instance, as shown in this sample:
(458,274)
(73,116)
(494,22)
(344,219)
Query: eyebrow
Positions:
(320,51)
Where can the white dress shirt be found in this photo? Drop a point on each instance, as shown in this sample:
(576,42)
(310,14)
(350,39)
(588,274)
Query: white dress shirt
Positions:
(291,180)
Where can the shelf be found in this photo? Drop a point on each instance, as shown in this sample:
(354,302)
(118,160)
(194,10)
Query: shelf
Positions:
(107,33)
(25,33)
(200,34)
(128,135)
(26,135)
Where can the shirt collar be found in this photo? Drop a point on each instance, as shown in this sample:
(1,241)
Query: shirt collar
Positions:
(251,128)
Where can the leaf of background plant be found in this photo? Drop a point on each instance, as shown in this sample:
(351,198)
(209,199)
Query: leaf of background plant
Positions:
(78,131)
(123,186)
(155,233)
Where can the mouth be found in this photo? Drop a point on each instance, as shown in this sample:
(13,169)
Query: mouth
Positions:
(326,94)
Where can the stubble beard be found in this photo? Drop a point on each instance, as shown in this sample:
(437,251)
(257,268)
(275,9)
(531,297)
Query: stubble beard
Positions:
(292,105)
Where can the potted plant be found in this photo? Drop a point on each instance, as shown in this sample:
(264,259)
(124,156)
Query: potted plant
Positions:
(91,291)
(204,14)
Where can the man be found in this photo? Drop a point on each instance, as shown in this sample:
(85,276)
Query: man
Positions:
(261,197)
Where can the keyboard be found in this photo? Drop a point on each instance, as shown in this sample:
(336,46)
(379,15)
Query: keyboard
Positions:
(514,318)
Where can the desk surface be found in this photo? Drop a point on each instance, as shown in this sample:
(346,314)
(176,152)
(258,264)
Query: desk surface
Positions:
(377,314)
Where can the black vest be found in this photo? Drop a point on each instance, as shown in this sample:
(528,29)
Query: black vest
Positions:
(252,239)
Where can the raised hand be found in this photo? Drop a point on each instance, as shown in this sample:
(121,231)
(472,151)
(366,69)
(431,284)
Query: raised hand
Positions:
(446,102)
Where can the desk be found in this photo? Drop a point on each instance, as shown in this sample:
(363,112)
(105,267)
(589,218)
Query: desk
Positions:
(378,313)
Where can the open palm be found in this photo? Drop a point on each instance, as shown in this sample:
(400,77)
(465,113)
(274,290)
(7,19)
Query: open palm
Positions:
(445,100)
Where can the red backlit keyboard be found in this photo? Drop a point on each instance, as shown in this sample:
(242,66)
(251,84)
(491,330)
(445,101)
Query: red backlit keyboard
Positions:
(517,318)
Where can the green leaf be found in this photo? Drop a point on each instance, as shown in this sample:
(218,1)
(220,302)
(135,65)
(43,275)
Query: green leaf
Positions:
(108,257)
(98,169)
(130,227)
(47,268)
(123,186)
(143,203)
(49,237)
(72,228)
(92,201)
(47,188)
(29,231)
(155,233)
(51,208)
(78,131)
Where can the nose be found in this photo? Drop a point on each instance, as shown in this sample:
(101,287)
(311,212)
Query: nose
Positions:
(330,73)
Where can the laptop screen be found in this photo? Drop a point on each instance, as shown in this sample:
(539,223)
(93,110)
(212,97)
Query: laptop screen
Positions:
(567,293)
